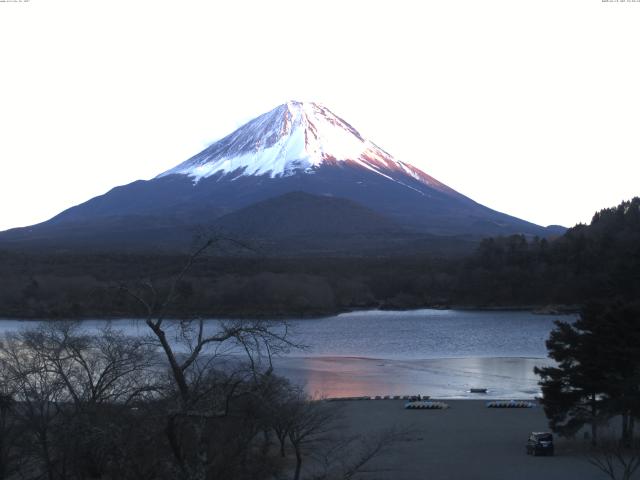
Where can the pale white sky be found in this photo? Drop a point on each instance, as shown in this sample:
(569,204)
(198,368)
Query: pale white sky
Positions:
(531,107)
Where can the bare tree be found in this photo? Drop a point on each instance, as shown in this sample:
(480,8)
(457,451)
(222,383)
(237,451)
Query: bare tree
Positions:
(9,435)
(193,349)
(311,423)
(39,395)
(72,390)
(617,459)
(345,457)
(315,431)
(281,421)
(109,367)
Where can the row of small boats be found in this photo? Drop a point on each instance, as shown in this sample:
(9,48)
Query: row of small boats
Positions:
(510,404)
(425,405)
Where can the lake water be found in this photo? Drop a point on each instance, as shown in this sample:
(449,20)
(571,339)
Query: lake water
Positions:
(420,334)
(442,353)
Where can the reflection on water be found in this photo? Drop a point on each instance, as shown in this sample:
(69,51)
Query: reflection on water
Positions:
(442,353)
(438,378)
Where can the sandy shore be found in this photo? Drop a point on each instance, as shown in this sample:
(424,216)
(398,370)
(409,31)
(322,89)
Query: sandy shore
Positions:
(466,441)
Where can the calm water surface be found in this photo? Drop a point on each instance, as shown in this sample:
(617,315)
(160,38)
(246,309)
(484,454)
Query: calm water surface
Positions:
(420,334)
(440,352)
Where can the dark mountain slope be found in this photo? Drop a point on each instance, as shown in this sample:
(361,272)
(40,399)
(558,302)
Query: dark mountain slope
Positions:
(297,147)
(303,214)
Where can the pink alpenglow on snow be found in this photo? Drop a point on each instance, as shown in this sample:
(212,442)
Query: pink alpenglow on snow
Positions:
(297,137)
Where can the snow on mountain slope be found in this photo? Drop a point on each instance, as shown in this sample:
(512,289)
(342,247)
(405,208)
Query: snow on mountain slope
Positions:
(297,137)
(297,147)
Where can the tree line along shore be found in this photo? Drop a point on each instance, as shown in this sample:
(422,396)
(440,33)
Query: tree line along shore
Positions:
(596,261)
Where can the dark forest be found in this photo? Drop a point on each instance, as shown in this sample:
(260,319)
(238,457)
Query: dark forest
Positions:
(589,262)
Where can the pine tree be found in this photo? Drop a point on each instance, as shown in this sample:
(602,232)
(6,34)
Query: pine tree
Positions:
(598,370)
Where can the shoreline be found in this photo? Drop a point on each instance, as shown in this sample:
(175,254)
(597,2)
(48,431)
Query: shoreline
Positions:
(410,359)
(411,398)
(544,309)
(504,378)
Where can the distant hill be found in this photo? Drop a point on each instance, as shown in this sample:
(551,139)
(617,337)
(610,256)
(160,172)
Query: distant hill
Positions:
(303,214)
(298,224)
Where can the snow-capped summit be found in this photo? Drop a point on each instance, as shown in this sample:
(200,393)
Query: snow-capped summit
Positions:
(296,137)
(299,177)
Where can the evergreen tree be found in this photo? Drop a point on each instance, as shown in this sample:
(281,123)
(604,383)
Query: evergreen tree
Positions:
(572,390)
(598,370)
(619,334)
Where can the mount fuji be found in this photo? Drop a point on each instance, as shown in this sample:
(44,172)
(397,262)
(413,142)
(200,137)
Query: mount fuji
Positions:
(298,176)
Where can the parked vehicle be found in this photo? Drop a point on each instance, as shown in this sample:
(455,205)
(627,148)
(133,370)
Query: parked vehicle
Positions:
(540,443)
